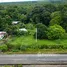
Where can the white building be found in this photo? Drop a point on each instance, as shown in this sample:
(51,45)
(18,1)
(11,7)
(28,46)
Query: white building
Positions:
(23,29)
(2,34)
(15,22)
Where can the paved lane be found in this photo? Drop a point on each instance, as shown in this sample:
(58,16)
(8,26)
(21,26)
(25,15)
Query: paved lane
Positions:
(45,66)
(34,59)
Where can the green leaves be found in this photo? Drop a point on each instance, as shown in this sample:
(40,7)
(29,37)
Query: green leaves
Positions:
(55,32)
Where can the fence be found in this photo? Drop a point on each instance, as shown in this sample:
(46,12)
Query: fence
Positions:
(33,59)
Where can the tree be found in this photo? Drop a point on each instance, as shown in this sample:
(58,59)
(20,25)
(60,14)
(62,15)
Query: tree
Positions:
(56,18)
(64,23)
(40,15)
(41,31)
(23,18)
(55,14)
(55,32)
(36,14)
(45,18)
(30,26)
(50,8)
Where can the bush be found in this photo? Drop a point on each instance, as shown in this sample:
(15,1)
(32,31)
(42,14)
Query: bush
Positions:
(45,46)
(65,36)
(35,46)
(41,31)
(30,26)
(9,45)
(55,32)
(14,46)
(22,33)
(3,48)
(23,47)
(19,33)
(14,50)
(58,46)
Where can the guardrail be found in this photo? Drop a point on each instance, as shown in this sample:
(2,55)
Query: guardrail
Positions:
(34,59)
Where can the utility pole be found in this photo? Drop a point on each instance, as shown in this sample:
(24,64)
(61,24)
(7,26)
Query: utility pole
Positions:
(36,34)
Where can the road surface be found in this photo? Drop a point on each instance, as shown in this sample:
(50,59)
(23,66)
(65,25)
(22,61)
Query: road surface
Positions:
(38,59)
(45,66)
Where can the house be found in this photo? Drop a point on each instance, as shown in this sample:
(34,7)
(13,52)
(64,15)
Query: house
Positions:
(15,22)
(2,34)
(23,29)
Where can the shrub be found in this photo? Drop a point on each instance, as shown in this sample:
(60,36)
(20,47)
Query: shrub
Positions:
(55,32)
(58,46)
(41,31)
(39,46)
(35,46)
(23,47)
(14,50)
(22,33)
(9,45)
(3,48)
(19,33)
(45,46)
(30,26)
(14,46)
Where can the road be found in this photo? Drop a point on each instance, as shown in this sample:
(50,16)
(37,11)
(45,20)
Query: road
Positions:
(38,59)
(45,66)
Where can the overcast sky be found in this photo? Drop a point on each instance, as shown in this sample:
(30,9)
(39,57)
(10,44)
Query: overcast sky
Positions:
(15,0)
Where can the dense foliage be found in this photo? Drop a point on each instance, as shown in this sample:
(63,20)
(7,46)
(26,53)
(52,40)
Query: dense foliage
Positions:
(41,31)
(50,20)
(47,14)
(55,32)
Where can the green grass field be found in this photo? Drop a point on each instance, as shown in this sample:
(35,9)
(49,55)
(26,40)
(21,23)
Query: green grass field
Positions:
(30,40)
(41,46)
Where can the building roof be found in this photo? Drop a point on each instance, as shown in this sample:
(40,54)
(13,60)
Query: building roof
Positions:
(15,22)
(2,32)
(23,29)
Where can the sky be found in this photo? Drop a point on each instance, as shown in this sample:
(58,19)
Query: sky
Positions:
(15,0)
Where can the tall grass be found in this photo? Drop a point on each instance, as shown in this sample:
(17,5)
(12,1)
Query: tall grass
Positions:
(24,43)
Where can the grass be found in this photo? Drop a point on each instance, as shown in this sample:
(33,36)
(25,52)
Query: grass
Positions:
(10,65)
(23,40)
(29,41)
(40,51)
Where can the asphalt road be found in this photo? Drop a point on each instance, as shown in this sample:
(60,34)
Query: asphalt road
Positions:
(38,59)
(45,66)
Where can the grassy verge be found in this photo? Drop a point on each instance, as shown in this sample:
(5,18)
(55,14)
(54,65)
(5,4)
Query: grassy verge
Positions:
(28,45)
(40,51)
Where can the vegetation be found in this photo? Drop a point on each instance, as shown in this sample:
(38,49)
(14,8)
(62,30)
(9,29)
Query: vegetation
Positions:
(55,32)
(50,19)
(41,31)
